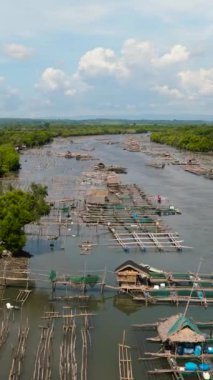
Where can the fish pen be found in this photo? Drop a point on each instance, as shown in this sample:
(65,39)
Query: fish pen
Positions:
(132,218)
(112,205)
(78,282)
(160,241)
(151,285)
(18,356)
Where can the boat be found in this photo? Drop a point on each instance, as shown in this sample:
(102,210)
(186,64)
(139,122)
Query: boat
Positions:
(187,349)
(151,285)
(151,269)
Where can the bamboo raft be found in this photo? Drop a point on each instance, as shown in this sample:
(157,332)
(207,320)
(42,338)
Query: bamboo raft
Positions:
(68,362)
(125,361)
(16,368)
(42,369)
(4,328)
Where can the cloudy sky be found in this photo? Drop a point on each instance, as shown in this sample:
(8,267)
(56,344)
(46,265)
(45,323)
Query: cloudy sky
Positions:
(114,58)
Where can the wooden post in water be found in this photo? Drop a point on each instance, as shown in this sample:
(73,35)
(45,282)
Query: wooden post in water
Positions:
(103,281)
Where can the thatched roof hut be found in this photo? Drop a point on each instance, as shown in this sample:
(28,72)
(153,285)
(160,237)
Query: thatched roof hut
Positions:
(178,328)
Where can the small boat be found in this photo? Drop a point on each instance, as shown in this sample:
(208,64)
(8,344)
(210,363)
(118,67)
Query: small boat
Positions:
(151,269)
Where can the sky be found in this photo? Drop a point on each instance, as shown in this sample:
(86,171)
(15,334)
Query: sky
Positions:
(112,59)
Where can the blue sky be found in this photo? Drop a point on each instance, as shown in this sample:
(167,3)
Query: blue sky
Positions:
(95,58)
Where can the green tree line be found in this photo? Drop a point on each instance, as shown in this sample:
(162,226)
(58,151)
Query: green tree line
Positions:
(20,134)
(18,208)
(194,138)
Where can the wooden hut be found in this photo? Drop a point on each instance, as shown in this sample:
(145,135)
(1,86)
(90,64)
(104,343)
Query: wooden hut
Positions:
(131,275)
(185,347)
(178,329)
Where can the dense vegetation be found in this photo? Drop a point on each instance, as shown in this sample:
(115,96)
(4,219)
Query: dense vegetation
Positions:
(33,134)
(193,138)
(18,134)
(17,208)
(9,159)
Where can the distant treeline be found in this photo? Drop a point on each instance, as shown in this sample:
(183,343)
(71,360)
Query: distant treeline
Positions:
(31,135)
(192,138)
(16,135)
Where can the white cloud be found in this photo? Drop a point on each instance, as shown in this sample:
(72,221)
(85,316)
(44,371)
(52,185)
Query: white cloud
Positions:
(198,81)
(17,51)
(2,79)
(178,53)
(101,61)
(171,92)
(53,79)
(137,52)
(56,80)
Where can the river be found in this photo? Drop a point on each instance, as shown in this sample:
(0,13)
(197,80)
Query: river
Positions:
(113,315)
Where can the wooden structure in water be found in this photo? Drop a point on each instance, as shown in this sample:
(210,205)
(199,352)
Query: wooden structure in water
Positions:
(184,345)
(155,164)
(112,168)
(132,218)
(80,282)
(19,352)
(73,364)
(160,241)
(126,211)
(125,361)
(15,271)
(42,368)
(149,285)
